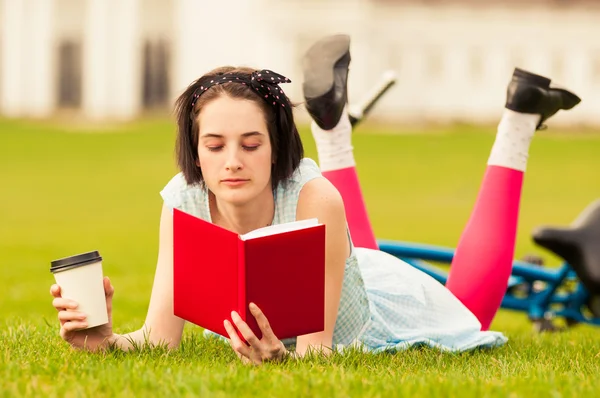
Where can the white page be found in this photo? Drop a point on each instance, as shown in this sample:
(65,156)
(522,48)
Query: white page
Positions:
(280,228)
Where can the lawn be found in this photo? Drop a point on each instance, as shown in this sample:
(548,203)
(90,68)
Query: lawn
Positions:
(69,189)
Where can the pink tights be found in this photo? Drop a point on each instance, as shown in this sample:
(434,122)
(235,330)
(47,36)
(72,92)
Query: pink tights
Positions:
(483,260)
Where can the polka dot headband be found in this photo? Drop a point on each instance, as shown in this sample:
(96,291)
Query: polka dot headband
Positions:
(264,82)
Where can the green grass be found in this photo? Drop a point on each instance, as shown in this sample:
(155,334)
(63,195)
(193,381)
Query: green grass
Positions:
(65,190)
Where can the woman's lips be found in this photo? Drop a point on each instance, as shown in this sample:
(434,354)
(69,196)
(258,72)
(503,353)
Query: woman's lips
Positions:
(234,182)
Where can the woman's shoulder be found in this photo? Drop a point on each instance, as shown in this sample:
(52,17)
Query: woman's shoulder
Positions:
(179,194)
(320,197)
(306,189)
(306,171)
(312,187)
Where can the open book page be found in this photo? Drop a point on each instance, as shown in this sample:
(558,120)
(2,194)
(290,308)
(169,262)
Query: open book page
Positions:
(280,228)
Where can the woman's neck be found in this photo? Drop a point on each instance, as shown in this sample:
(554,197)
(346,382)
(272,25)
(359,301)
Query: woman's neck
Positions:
(243,219)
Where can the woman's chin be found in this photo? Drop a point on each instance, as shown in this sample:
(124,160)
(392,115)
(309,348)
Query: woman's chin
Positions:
(237,197)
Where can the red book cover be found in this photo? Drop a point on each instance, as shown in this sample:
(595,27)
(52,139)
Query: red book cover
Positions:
(216,271)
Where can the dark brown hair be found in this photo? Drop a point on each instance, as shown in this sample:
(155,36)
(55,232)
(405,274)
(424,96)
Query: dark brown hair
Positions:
(285,141)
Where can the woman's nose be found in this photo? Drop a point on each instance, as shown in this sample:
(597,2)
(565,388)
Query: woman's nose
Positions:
(233,160)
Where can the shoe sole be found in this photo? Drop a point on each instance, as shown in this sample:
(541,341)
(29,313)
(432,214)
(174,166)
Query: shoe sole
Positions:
(319,63)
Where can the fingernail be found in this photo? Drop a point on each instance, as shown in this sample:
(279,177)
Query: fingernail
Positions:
(252,306)
(82,316)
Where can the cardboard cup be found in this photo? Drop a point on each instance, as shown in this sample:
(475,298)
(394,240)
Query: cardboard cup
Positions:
(80,279)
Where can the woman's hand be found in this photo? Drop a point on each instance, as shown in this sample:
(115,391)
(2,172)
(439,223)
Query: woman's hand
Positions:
(73,322)
(267,349)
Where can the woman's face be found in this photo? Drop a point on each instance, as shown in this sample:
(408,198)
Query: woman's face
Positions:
(234,150)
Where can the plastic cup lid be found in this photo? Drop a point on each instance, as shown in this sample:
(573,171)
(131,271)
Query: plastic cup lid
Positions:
(75,261)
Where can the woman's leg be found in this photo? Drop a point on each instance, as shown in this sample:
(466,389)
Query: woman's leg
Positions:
(483,260)
(325,81)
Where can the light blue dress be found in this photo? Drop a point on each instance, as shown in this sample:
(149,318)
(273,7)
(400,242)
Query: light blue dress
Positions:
(385,303)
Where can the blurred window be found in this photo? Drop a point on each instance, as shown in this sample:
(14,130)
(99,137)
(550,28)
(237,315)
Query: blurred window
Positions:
(69,74)
(155,93)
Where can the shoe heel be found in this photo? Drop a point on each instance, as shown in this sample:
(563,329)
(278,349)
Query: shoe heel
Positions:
(319,62)
(538,80)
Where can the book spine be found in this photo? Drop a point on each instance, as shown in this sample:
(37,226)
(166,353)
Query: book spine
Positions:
(242,305)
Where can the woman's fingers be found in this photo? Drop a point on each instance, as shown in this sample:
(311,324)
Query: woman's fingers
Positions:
(55,290)
(61,304)
(263,323)
(245,329)
(71,316)
(236,343)
(109,290)
(258,351)
(73,326)
(272,348)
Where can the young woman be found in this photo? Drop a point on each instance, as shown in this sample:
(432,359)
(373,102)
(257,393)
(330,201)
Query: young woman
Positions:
(242,168)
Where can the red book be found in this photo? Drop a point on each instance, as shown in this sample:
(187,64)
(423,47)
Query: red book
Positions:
(280,268)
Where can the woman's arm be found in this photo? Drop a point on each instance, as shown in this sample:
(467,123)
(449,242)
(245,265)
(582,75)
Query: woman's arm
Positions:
(161,326)
(320,199)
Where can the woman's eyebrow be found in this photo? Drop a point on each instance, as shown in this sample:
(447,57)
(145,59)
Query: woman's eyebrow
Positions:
(215,135)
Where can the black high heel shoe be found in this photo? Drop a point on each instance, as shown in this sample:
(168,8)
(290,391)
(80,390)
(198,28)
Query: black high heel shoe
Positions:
(531,93)
(325,66)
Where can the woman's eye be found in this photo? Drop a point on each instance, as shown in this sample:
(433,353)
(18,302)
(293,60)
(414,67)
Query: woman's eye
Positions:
(250,147)
(214,148)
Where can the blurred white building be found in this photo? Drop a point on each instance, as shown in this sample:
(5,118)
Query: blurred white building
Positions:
(114,59)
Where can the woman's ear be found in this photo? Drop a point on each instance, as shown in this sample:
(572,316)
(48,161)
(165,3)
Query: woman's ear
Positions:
(197,162)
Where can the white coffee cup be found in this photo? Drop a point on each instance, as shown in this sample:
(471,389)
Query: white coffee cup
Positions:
(80,279)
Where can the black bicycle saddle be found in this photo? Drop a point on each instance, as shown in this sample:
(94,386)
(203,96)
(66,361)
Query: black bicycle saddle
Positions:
(578,245)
